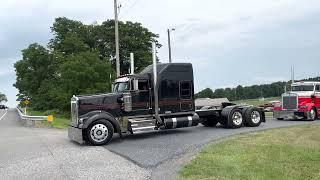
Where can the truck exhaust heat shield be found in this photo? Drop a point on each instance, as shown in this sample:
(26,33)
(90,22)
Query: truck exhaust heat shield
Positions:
(180,122)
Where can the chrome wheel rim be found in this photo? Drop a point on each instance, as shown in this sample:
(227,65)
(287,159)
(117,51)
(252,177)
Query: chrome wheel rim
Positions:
(237,118)
(255,117)
(312,114)
(99,132)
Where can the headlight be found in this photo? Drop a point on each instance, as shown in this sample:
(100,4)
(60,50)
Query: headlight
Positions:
(277,105)
(81,120)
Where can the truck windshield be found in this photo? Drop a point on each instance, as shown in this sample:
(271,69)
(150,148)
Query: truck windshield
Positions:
(121,87)
(303,88)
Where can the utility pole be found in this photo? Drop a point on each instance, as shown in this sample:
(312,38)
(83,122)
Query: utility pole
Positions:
(169,44)
(117,37)
(132,63)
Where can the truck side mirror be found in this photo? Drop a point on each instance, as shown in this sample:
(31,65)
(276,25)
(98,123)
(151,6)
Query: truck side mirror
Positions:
(112,87)
(135,85)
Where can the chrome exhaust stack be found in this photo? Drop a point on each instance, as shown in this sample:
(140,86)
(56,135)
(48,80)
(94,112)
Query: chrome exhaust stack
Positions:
(155,85)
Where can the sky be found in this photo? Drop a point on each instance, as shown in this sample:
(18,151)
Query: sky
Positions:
(229,42)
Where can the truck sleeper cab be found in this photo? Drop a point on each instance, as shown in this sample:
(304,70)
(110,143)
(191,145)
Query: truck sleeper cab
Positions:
(151,101)
(303,102)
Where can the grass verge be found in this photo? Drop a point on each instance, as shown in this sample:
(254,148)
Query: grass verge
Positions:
(61,120)
(290,153)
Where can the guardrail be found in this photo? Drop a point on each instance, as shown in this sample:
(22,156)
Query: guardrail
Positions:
(31,119)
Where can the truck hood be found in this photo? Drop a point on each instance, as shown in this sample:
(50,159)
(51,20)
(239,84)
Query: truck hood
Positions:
(300,93)
(94,96)
(99,102)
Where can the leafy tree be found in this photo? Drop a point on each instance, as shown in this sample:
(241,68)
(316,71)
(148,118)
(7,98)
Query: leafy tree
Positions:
(85,73)
(206,93)
(74,37)
(3,98)
(79,60)
(35,67)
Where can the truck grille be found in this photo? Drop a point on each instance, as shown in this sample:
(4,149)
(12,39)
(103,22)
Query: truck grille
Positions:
(74,113)
(289,102)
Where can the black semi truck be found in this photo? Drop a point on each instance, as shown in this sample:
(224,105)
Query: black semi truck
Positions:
(161,97)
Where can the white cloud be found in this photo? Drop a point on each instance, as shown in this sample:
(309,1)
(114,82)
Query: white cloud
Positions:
(227,41)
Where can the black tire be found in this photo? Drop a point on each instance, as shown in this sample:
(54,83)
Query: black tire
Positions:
(280,119)
(232,117)
(253,117)
(209,121)
(93,130)
(244,112)
(310,116)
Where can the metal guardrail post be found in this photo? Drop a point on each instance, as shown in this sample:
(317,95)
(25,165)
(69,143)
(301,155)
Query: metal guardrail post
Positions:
(33,119)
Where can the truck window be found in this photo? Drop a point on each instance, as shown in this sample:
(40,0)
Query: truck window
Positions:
(318,88)
(169,89)
(185,90)
(121,86)
(303,88)
(143,85)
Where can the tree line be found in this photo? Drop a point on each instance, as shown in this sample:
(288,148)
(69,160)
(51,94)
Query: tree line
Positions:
(79,59)
(250,92)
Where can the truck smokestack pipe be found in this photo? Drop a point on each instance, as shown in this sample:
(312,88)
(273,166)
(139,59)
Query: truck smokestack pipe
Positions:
(132,63)
(155,89)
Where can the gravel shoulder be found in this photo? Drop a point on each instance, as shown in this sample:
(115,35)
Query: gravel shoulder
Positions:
(34,153)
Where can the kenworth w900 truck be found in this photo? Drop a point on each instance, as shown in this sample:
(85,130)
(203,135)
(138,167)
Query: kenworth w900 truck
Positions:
(161,97)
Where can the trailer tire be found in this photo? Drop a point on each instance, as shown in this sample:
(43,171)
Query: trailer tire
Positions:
(99,132)
(253,117)
(232,117)
(210,121)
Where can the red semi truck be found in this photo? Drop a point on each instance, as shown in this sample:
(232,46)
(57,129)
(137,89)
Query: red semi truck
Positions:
(302,102)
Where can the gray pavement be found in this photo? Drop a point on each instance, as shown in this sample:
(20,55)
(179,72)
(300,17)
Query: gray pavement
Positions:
(164,152)
(35,153)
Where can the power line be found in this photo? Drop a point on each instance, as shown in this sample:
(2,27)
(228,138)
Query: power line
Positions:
(130,7)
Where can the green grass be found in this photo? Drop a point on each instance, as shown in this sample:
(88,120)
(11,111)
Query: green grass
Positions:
(256,102)
(61,120)
(291,153)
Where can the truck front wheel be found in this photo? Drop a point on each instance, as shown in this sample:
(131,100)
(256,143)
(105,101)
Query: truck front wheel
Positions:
(100,132)
(312,114)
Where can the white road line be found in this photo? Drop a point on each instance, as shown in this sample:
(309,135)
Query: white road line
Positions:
(3,115)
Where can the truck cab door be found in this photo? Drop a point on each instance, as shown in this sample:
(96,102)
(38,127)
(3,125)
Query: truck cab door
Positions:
(141,98)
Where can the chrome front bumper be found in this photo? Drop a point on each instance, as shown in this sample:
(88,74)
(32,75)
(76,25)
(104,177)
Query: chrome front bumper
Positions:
(288,114)
(75,134)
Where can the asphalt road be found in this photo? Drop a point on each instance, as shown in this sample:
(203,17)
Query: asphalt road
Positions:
(36,153)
